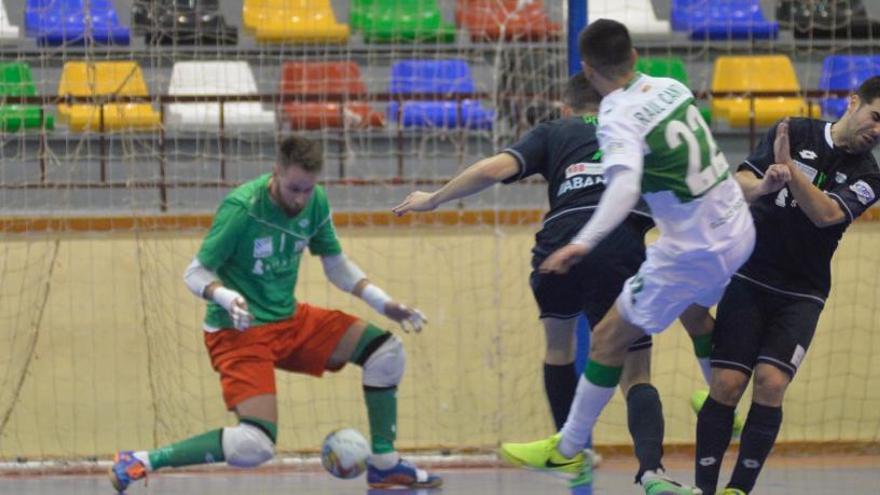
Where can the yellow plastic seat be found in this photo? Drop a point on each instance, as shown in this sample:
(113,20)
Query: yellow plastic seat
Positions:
(91,79)
(297,21)
(745,74)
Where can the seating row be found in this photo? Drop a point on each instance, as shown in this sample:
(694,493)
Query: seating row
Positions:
(347,103)
(231,78)
(54,22)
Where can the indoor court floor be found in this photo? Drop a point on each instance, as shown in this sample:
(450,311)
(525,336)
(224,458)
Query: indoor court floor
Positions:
(855,475)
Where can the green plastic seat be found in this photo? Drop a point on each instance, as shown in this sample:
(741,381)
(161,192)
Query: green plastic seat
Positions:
(385,21)
(669,67)
(16,80)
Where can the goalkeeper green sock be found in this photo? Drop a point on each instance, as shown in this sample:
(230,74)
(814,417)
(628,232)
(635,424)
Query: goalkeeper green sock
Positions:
(201,449)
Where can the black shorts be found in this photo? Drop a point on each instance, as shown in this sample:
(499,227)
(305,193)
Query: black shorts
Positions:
(591,287)
(757,325)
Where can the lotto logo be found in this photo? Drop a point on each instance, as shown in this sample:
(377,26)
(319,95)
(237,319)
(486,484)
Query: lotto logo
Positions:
(751,463)
(707,461)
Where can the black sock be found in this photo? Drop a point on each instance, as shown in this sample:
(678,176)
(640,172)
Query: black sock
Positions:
(644,415)
(714,427)
(560,382)
(758,437)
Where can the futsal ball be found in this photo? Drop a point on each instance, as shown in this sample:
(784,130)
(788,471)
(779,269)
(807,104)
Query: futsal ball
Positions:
(344,453)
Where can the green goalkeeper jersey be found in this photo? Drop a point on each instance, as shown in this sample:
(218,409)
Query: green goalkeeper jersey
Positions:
(255,249)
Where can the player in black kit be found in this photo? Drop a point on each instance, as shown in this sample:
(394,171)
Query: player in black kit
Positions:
(807,181)
(566,153)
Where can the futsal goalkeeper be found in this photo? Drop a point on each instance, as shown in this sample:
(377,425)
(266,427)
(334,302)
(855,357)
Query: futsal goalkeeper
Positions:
(247,269)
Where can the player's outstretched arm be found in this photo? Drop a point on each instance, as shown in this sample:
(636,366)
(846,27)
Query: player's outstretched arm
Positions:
(205,284)
(472,180)
(347,276)
(816,205)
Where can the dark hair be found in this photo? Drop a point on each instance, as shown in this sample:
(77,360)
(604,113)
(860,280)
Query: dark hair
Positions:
(305,153)
(605,45)
(869,90)
(580,95)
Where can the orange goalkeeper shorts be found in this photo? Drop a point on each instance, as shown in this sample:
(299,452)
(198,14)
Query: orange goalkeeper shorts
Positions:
(246,360)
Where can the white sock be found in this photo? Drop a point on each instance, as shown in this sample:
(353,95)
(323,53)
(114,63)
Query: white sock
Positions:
(706,368)
(144,457)
(589,401)
(385,461)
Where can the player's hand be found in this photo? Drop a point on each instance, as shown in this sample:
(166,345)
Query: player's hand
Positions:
(563,259)
(775,178)
(235,305)
(410,319)
(416,201)
(782,144)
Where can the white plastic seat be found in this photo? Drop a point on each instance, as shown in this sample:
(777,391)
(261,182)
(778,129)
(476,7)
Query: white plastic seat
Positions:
(8,31)
(216,78)
(637,15)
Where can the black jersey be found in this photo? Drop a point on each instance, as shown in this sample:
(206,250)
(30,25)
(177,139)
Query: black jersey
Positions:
(791,254)
(566,153)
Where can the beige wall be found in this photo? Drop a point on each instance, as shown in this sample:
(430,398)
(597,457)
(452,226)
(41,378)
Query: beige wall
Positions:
(104,339)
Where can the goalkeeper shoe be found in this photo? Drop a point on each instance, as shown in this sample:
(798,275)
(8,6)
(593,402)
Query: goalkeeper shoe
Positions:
(657,483)
(733,491)
(126,468)
(697,401)
(401,475)
(544,456)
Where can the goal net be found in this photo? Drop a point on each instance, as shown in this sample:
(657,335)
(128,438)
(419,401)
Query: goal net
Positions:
(118,145)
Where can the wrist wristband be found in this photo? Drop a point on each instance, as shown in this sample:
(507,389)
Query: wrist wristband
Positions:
(224,297)
(375,298)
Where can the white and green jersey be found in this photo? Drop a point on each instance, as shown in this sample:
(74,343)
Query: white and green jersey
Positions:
(652,126)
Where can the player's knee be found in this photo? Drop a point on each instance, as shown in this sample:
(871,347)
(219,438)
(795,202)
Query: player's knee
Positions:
(728,387)
(384,366)
(246,445)
(770,385)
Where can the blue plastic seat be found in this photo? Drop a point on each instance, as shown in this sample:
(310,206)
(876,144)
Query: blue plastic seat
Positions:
(722,19)
(436,76)
(58,22)
(845,72)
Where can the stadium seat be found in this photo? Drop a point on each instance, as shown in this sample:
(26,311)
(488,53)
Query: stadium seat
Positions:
(847,73)
(58,22)
(753,74)
(835,19)
(722,19)
(387,21)
(8,31)
(293,21)
(16,80)
(216,78)
(341,79)
(195,22)
(97,79)
(436,76)
(492,20)
(637,15)
(669,67)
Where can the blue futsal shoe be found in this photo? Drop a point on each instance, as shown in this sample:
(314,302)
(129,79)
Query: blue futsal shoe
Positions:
(402,475)
(126,468)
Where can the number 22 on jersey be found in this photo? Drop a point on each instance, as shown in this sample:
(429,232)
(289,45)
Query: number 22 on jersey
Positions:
(701,177)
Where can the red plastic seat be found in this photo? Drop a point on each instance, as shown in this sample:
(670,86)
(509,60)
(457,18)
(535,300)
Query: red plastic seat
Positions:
(326,79)
(493,19)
